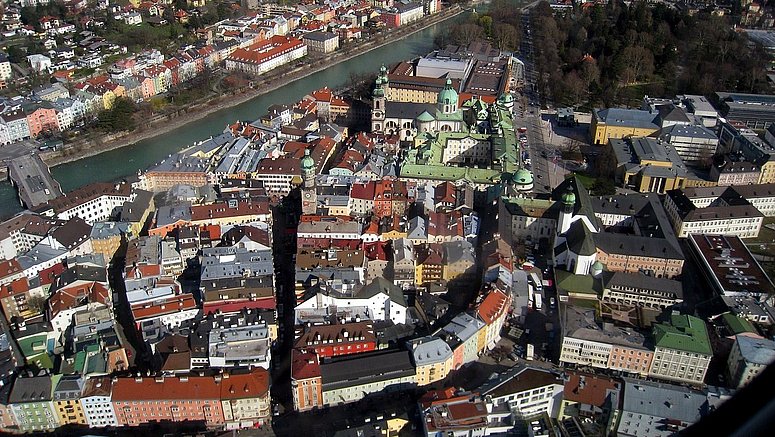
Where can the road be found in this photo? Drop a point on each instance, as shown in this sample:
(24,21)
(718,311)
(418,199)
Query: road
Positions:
(548,171)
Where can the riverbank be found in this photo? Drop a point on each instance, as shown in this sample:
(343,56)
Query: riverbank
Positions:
(269,83)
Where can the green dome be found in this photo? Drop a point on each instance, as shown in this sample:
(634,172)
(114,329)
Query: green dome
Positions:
(448,95)
(522,177)
(307,163)
(569,198)
(425,117)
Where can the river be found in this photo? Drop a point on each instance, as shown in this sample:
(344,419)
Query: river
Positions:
(120,163)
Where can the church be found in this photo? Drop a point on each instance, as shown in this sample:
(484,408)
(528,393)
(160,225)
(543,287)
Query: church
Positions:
(407,119)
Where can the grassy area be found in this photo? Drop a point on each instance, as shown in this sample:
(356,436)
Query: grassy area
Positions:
(766,235)
(586,180)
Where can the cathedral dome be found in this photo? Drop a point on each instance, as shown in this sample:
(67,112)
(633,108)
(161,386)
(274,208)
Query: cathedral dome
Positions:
(448,95)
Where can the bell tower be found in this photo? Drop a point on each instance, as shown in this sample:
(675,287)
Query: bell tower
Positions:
(379,97)
(309,196)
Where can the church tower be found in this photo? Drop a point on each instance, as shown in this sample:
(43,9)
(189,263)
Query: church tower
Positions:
(379,97)
(309,197)
(568,202)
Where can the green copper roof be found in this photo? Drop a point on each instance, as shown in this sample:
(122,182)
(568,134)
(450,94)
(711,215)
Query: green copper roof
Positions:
(738,325)
(307,163)
(569,198)
(448,95)
(425,117)
(523,177)
(683,333)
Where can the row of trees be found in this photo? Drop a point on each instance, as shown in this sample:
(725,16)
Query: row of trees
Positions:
(609,52)
(500,25)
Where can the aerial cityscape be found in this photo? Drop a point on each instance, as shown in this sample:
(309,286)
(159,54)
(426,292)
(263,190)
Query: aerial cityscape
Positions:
(387,218)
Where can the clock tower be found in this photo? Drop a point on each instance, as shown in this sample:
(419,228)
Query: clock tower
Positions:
(379,96)
(309,196)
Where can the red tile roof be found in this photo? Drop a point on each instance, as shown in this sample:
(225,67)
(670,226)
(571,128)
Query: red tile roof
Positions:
(495,304)
(304,365)
(247,385)
(183,388)
(173,304)
(16,287)
(592,391)
(363,191)
(222,210)
(9,267)
(375,250)
(265,50)
(335,334)
(47,276)
(74,296)
(284,165)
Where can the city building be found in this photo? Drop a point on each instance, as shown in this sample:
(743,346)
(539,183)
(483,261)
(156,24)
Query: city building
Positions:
(646,164)
(266,55)
(142,400)
(729,214)
(748,357)
(433,359)
(335,340)
(321,42)
(586,343)
(694,144)
(614,123)
(350,378)
(67,403)
(682,350)
(31,401)
(637,289)
(729,266)
(735,170)
(306,382)
(591,397)
(755,110)
(659,409)
(245,398)
(445,413)
(526,391)
(96,402)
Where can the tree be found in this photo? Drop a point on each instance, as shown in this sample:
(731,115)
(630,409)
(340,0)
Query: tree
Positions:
(589,73)
(465,34)
(603,187)
(505,36)
(16,54)
(119,117)
(485,22)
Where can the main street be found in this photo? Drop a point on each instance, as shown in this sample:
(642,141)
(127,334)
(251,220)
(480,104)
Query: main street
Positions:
(545,162)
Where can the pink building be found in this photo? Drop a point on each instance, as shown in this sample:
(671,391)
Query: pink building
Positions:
(147,87)
(42,119)
(186,398)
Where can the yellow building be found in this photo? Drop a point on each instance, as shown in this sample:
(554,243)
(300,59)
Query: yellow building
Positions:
(433,359)
(646,165)
(136,212)
(768,173)
(67,404)
(106,238)
(621,123)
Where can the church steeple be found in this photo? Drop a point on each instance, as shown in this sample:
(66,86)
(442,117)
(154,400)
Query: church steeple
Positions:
(308,190)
